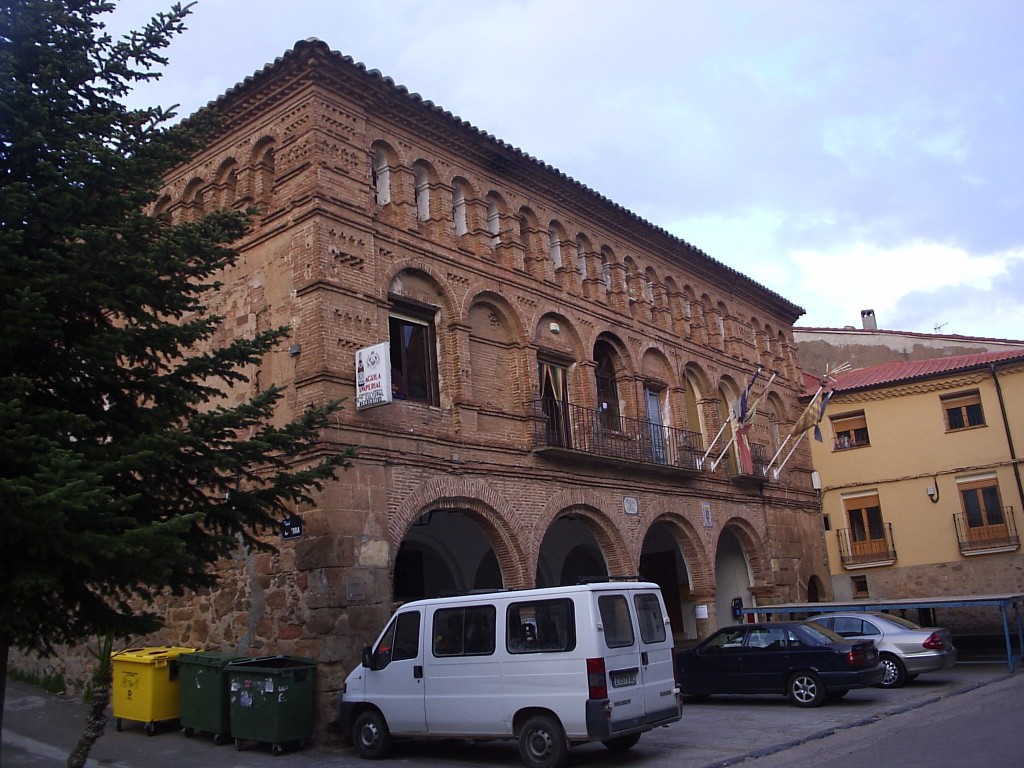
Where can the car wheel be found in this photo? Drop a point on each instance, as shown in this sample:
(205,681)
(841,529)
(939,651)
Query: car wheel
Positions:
(622,743)
(895,672)
(371,736)
(805,689)
(542,743)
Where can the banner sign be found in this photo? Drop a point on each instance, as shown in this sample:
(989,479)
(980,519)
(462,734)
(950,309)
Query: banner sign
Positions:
(373,376)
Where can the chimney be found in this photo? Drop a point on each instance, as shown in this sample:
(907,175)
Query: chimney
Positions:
(867,319)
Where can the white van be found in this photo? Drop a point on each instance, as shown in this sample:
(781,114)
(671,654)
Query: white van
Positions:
(549,667)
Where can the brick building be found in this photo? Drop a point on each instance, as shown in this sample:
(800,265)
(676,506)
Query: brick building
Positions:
(560,370)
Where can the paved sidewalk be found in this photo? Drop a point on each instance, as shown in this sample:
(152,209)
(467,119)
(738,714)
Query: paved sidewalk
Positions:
(40,729)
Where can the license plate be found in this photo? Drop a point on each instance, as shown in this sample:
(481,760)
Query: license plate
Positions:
(621,679)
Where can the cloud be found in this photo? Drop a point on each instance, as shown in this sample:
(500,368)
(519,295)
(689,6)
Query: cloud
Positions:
(845,155)
(913,287)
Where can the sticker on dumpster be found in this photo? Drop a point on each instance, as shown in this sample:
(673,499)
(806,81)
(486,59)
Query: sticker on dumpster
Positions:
(245,699)
(268,685)
(234,686)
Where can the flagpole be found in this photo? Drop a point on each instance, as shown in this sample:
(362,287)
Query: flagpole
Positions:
(781,449)
(729,419)
(792,451)
(790,436)
(711,445)
(830,375)
(716,462)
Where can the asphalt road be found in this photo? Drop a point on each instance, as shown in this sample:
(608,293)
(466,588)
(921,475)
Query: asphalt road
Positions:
(758,731)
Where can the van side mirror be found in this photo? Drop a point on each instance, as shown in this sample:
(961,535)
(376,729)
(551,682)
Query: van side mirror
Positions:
(370,660)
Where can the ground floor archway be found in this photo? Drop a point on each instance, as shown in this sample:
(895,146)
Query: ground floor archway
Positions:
(732,578)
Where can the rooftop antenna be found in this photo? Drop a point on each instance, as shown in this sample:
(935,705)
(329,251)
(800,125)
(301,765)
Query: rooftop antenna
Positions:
(940,326)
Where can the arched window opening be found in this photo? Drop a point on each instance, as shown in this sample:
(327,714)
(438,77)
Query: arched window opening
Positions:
(413,352)
(421,193)
(459,210)
(607,388)
(581,259)
(555,248)
(381,173)
(493,223)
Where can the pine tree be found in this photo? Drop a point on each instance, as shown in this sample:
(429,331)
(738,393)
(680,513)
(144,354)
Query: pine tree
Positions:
(125,472)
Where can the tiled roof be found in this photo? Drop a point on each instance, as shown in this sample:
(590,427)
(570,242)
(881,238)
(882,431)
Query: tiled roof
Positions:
(895,373)
(375,76)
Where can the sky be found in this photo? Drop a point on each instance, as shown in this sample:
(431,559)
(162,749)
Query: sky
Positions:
(846,154)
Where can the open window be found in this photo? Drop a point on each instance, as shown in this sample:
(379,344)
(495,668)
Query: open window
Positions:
(554,394)
(849,430)
(413,352)
(381,177)
(607,388)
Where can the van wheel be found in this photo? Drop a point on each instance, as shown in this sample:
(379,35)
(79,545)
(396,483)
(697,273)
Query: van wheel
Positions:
(622,743)
(542,743)
(805,689)
(371,736)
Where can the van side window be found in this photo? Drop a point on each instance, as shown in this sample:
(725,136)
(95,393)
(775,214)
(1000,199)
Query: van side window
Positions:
(618,627)
(464,631)
(648,614)
(542,626)
(401,640)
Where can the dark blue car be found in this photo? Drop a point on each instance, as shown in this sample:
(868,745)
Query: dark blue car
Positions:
(804,661)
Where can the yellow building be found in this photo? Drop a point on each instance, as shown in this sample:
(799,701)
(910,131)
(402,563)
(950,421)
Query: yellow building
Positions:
(920,476)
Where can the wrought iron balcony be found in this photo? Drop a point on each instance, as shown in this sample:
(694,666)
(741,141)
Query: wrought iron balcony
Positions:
(567,430)
(855,552)
(991,532)
(759,465)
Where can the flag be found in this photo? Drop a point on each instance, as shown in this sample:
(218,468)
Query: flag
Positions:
(811,417)
(753,407)
(740,410)
(742,418)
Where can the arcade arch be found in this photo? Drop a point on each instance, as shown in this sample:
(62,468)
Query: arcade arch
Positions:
(733,577)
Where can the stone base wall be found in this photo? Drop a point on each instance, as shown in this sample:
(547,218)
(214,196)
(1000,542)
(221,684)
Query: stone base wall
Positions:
(979,575)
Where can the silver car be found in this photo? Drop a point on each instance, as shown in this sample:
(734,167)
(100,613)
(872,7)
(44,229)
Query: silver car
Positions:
(905,649)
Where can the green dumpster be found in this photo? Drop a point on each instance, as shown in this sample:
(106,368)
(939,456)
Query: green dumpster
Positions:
(272,701)
(203,681)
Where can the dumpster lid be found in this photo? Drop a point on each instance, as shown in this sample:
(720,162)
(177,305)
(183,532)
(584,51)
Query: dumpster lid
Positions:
(151,654)
(272,663)
(212,658)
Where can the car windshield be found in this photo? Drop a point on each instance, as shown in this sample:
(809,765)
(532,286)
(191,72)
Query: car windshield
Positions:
(815,634)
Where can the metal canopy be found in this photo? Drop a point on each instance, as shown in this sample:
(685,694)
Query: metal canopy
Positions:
(1004,602)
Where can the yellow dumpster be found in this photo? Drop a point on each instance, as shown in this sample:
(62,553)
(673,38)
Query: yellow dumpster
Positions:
(146,687)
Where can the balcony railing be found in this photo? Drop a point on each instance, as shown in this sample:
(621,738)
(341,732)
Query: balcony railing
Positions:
(562,428)
(845,441)
(993,532)
(759,465)
(874,551)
